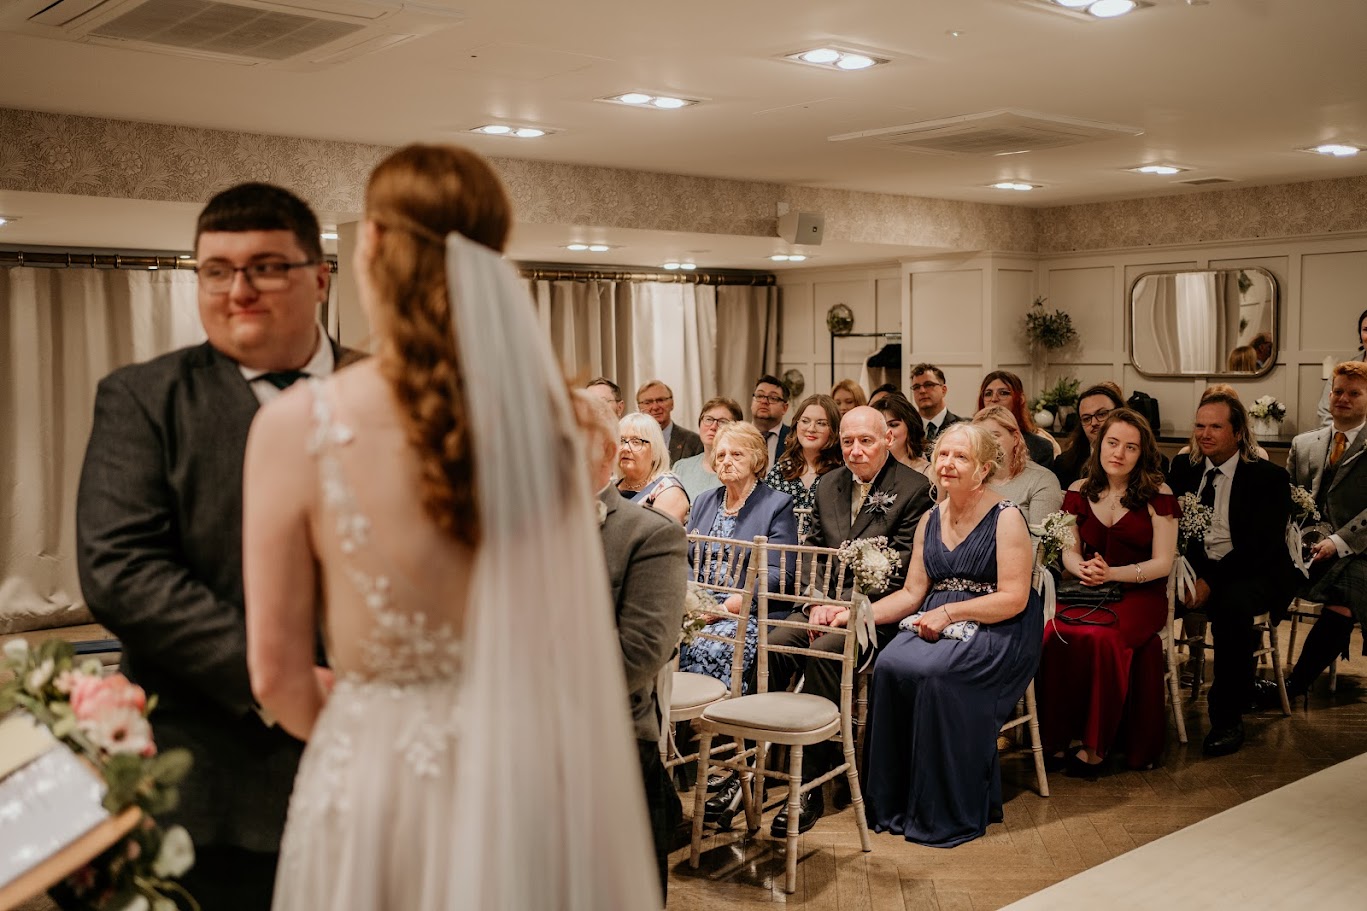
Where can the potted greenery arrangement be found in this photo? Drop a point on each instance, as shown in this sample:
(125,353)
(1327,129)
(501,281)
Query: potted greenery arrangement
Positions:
(1046,331)
(1266,414)
(1057,402)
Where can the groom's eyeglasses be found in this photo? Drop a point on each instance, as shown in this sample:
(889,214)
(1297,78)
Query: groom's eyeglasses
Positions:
(272,275)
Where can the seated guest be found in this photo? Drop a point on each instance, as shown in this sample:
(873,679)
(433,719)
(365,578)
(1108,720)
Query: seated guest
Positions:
(908,433)
(872,495)
(696,471)
(1223,389)
(768,405)
(1029,485)
(647,563)
(741,508)
(1322,411)
(812,450)
(928,391)
(1093,407)
(1326,463)
(1242,567)
(643,468)
(943,688)
(1096,660)
(656,399)
(1243,359)
(1001,387)
(605,389)
(848,394)
(879,392)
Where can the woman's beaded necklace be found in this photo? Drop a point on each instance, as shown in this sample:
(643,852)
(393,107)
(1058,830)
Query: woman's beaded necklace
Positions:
(727,510)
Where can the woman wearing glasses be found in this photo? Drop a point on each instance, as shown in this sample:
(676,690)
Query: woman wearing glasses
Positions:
(643,468)
(1093,407)
(1001,387)
(812,449)
(697,472)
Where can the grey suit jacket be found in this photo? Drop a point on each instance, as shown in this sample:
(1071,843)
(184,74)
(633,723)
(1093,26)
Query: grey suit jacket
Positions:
(159,551)
(647,560)
(1347,495)
(911,499)
(683,443)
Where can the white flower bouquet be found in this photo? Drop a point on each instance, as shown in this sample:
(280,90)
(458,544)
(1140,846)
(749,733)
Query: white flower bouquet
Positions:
(1304,530)
(872,561)
(1267,408)
(1055,535)
(1195,521)
(104,718)
(700,609)
(1305,502)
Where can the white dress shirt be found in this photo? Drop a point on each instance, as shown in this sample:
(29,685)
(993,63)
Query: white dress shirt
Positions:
(320,365)
(938,421)
(1218,540)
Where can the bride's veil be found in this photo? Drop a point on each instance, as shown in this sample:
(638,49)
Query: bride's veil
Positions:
(549,811)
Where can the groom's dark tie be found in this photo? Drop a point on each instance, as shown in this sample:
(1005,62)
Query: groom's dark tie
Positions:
(283,379)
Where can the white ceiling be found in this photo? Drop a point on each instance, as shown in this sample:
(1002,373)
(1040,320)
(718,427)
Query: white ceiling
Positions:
(1229,88)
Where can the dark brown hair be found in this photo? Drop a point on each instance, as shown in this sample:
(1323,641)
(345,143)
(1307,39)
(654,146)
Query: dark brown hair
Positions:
(416,197)
(894,405)
(1074,461)
(262,207)
(790,462)
(1147,476)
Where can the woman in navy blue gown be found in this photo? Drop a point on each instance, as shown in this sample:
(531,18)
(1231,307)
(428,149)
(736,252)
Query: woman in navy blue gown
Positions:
(970,645)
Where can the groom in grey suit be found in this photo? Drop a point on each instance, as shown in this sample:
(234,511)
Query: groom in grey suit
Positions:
(1330,463)
(647,561)
(159,526)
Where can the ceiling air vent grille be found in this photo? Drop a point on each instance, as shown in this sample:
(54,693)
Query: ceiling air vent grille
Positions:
(1002,132)
(223,28)
(1206,181)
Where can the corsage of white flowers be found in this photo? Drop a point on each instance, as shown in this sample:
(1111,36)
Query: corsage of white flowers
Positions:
(872,562)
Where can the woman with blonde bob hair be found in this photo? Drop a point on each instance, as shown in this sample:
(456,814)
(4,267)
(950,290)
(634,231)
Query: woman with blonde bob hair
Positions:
(419,507)
(643,467)
(1022,480)
(970,645)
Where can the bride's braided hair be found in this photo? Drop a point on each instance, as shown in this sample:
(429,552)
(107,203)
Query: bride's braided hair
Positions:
(416,197)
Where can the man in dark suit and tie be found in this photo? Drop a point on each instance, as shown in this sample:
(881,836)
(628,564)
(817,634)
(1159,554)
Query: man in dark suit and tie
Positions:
(647,560)
(657,400)
(928,390)
(159,526)
(872,495)
(1242,566)
(768,405)
(1329,462)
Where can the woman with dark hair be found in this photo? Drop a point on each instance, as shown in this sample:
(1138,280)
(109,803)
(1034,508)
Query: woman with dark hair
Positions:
(1102,666)
(1094,406)
(1001,387)
(1322,410)
(812,449)
(454,560)
(907,430)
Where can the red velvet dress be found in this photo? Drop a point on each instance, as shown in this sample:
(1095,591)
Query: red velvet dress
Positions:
(1103,685)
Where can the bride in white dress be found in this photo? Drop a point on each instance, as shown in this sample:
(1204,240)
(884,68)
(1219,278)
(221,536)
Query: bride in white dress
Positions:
(426,510)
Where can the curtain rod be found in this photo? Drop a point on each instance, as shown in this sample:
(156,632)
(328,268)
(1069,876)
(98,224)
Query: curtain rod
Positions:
(92,259)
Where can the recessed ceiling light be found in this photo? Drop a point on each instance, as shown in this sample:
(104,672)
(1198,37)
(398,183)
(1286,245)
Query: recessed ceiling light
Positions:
(1109,9)
(687,267)
(184,256)
(779,257)
(577,248)
(1014,185)
(643,100)
(1075,4)
(789,257)
(672,266)
(504,129)
(7,219)
(328,235)
(599,248)
(956,33)
(828,57)
(1335,149)
(1157,169)
(153,268)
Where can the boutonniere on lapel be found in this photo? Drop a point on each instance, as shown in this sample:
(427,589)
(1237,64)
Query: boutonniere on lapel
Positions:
(602,512)
(878,504)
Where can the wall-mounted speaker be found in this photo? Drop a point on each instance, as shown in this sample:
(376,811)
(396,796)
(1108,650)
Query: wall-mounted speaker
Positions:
(802,227)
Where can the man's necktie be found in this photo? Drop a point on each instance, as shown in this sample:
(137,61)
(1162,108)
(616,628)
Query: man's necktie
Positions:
(1340,444)
(861,491)
(930,431)
(1208,492)
(283,379)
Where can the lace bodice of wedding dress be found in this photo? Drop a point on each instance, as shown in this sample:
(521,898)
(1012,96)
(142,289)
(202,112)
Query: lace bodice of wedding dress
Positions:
(369,819)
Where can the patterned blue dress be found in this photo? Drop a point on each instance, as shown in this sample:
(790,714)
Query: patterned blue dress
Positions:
(933,775)
(708,656)
(803,498)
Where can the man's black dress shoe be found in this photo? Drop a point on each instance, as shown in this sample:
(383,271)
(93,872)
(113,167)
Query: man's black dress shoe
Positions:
(717,779)
(1225,740)
(721,809)
(810,806)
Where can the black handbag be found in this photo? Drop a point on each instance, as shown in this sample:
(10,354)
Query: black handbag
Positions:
(1146,405)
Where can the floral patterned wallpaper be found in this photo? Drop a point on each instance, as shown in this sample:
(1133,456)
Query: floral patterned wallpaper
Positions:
(64,153)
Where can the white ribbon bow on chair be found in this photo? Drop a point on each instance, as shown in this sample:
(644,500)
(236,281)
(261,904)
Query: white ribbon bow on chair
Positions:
(1185,579)
(861,621)
(1044,584)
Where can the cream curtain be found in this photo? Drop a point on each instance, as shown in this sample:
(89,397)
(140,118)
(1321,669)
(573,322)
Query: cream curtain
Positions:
(61,331)
(703,340)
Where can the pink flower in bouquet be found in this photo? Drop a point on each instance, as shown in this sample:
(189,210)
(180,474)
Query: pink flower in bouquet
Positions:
(109,710)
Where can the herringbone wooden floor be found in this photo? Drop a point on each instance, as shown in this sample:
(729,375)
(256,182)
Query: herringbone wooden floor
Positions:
(1042,840)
